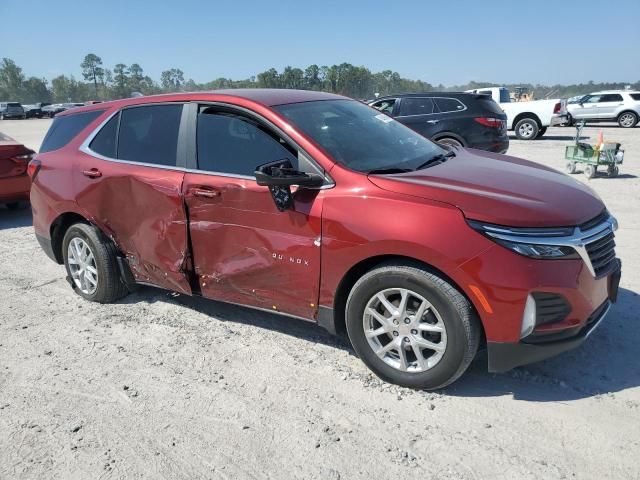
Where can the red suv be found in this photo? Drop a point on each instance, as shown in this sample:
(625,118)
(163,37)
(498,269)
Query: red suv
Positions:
(14,181)
(322,208)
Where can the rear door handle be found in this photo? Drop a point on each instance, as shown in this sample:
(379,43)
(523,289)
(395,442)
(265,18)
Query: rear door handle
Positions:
(433,121)
(92,173)
(205,192)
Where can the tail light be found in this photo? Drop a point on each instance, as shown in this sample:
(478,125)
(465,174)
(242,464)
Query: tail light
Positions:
(33,168)
(557,108)
(489,122)
(20,162)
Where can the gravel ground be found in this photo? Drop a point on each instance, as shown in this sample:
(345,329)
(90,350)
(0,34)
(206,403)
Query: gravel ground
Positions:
(166,386)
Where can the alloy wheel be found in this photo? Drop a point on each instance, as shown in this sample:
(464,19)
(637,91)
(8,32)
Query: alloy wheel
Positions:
(526,130)
(82,266)
(627,120)
(405,330)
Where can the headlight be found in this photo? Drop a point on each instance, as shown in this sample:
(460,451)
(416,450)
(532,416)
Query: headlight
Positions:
(530,242)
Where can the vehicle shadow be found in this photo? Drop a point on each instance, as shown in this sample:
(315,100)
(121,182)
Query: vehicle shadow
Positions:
(606,363)
(580,373)
(15,218)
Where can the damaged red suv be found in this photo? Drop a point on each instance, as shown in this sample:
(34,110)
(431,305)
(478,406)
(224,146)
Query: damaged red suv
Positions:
(14,180)
(322,208)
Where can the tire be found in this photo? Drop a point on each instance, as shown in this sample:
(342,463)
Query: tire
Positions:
(527,129)
(450,142)
(108,284)
(627,119)
(1,116)
(449,311)
(14,205)
(612,171)
(541,132)
(570,168)
(590,171)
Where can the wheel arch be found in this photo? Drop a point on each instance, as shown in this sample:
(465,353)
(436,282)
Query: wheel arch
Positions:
(523,115)
(59,227)
(455,136)
(359,269)
(628,110)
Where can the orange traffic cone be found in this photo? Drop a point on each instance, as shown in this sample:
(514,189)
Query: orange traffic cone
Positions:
(600,139)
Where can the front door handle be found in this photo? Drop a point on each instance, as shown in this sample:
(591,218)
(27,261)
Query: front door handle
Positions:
(92,173)
(205,193)
(433,122)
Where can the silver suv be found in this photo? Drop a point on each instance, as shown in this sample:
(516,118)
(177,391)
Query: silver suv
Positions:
(622,106)
(11,110)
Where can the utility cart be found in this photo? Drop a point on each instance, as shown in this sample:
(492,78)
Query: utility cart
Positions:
(593,156)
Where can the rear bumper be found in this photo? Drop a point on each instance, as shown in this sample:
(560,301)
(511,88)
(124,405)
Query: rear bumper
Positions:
(45,244)
(496,145)
(505,356)
(559,120)
(13,189)
(14,115)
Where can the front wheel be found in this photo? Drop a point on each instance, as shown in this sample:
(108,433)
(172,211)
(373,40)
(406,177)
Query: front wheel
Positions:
(590,171)
(411,327)
(448,141)
(570,168)
(613,170)
(92,266)
(627,119)
(527,129)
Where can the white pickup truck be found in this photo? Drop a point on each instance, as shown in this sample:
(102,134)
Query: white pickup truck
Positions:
(529,119)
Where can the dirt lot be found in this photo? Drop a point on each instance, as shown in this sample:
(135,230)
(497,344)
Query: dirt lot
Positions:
(164,386)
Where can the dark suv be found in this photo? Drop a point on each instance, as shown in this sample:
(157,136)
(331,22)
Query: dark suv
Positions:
(459,119)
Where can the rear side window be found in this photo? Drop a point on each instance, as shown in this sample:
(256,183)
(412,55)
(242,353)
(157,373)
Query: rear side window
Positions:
(635,96)
(611,97)
(236,145)
(488,105)
(416,106)
(64,129)
(149,134)
(104,142)
(449,105)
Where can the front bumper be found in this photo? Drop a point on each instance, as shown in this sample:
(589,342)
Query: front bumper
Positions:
(505,356)
(557,120)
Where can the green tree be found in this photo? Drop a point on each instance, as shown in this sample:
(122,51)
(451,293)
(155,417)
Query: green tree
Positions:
(35,90)
(120,81)
(92,70)
(172,79)
(11,80)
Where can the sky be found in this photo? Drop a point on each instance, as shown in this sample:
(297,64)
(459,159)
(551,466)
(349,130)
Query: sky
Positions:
(448,41)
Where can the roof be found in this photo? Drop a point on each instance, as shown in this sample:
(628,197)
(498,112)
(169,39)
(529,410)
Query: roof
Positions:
(429,94)
(614,91)
(268,97)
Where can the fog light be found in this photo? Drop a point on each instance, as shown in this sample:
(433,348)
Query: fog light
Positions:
(528,317)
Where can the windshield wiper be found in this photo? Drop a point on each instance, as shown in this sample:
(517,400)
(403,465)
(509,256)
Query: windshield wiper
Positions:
(389,170)
(441,157)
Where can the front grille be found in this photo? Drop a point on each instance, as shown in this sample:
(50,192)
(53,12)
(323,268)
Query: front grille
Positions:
(550,307)
(595,221)
(602,254)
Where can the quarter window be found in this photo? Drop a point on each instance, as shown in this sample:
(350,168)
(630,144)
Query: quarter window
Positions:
(448,105)
(234,144)
(65,128)
(635,96)
(149,134)
(416,106)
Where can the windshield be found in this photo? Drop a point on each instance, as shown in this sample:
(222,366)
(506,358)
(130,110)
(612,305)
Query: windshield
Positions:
(504,96)
(360,137)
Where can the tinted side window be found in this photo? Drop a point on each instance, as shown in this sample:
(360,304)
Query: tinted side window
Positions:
(611,97)
(149,134)
(448,105)
(233,144)
(635,96)
(104,142)
(385,106)
(416,106)
(64,129)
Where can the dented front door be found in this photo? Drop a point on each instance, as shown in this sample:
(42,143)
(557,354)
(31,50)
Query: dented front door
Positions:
(246,251)
(141,208)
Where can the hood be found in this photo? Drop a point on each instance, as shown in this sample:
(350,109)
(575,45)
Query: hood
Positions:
(500,189)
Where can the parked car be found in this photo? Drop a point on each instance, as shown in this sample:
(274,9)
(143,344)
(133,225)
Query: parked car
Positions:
(622,106)
(319,207)
(52,110)
(10,110)
(14,181)
(528,119)
(458,119)
(34,110)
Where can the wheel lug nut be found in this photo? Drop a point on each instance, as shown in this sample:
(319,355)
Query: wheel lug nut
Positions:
(406,339)
(395,334)
(395,322)
(407,321)
(414,332)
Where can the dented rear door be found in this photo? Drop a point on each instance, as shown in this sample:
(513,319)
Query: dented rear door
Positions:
(132,189)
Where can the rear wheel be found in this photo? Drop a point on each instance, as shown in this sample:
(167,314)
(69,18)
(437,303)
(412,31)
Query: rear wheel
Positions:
(541,132)
(527,129)
(92,266)
(627,119)
(450,142)
(411,327)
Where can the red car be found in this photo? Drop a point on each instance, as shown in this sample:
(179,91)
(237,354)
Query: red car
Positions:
(322,208)
(14,181)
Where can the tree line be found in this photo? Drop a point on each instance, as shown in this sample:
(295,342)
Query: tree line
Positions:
(101,83)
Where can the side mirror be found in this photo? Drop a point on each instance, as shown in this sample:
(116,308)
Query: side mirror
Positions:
(279,176)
